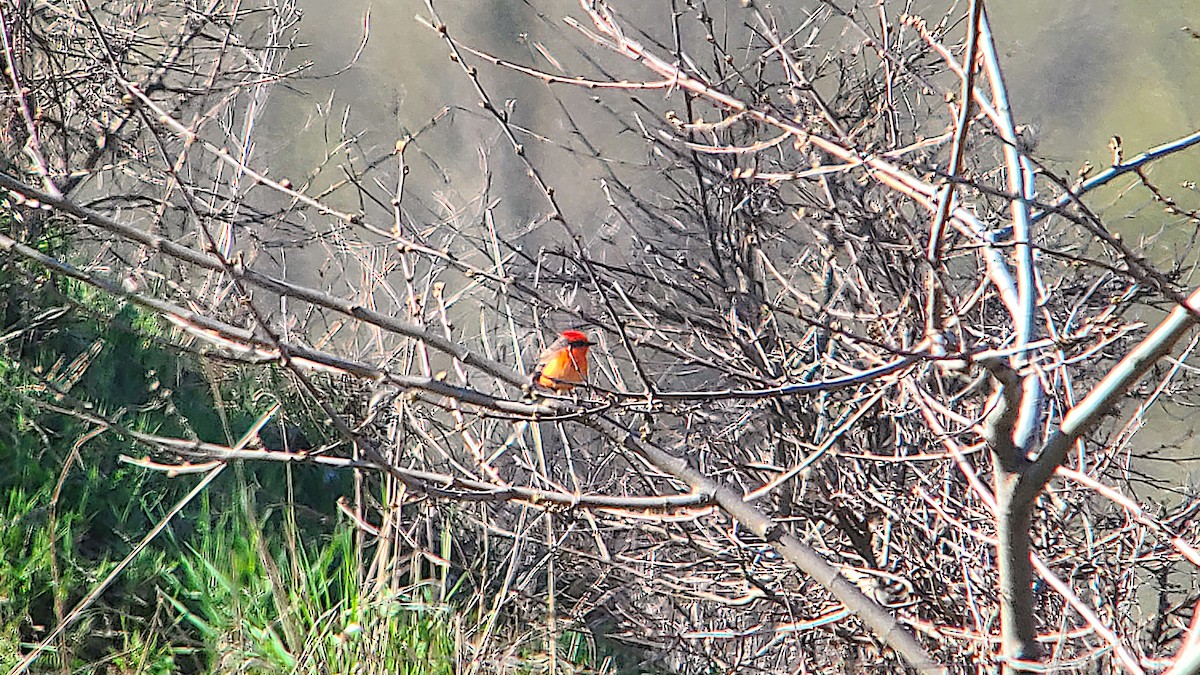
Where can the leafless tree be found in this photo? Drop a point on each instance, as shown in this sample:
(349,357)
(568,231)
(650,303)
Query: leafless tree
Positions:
(833,288)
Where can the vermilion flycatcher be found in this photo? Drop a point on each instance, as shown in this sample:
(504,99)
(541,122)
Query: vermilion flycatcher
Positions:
(565,363)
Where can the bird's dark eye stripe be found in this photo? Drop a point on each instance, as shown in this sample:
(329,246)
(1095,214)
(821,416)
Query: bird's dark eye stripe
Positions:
(581,343)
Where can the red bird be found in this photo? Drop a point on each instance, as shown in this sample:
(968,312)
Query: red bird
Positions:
(565,363)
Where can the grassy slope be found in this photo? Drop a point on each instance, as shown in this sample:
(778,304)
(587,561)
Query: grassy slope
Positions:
(228,586)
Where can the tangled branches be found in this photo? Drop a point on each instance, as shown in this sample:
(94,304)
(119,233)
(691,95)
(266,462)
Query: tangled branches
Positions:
(813,262)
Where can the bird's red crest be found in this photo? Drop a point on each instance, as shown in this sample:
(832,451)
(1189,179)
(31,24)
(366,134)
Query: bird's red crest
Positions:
(575,336)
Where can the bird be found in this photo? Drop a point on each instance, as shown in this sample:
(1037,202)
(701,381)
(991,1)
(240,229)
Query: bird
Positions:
(565,363)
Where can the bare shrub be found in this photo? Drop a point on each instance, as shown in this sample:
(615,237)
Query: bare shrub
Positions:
(812,266)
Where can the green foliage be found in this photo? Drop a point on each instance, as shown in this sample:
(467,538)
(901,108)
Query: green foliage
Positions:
(262,601)
(69,508)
